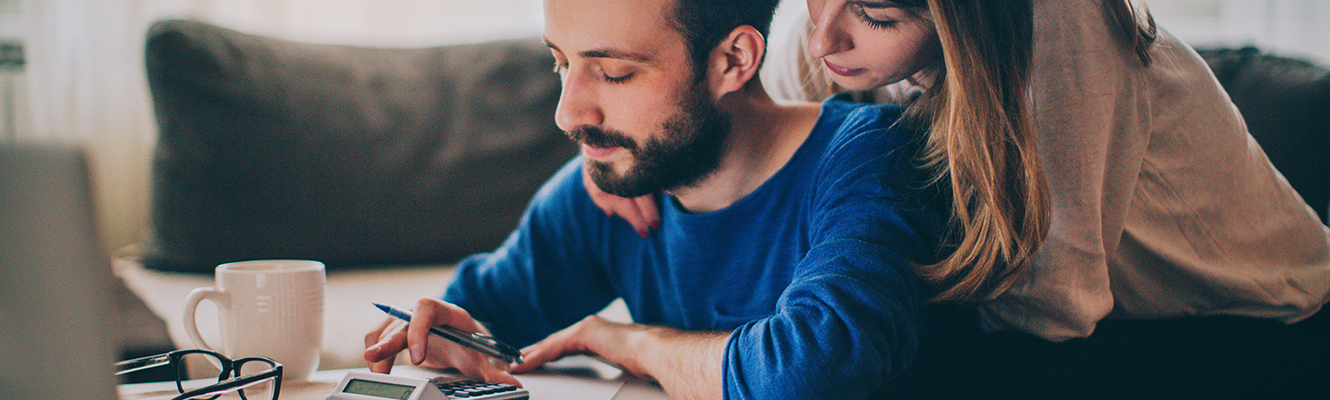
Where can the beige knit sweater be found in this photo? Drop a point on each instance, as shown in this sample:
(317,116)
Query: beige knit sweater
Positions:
(1163,204)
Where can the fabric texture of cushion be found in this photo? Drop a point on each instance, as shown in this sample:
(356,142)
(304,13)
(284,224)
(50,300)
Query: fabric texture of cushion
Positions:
(1286,104)
(348,155)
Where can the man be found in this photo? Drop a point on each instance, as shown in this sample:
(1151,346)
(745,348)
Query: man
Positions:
(783,266)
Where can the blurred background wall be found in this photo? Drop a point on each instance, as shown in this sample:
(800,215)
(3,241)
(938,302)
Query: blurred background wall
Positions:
(72,70)
(79,74)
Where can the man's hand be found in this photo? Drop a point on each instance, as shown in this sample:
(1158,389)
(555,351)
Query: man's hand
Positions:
(611,341)
(639,211)
(383,344)
(686,364)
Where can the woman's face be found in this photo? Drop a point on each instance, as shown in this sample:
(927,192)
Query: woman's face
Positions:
(865,44)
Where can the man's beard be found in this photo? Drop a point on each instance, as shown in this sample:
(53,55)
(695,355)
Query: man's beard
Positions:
(690,150)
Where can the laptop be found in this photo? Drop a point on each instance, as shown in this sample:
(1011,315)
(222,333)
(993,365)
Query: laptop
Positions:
(56,299)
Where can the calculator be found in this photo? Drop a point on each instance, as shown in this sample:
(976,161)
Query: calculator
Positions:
(358,385)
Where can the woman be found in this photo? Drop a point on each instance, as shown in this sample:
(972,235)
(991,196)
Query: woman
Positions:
(1123,198)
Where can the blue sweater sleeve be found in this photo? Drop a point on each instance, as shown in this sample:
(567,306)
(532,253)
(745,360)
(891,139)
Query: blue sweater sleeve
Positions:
(847,323)
(544,277)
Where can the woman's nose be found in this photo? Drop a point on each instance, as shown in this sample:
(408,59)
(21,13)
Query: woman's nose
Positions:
(828,35)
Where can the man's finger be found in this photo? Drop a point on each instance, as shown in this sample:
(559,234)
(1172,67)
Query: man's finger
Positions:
(381,357)
(373,337)
(554,347)
(430,313)
(646,206)
(383,366)
(532,357)
(495,375)
(388,346)
(630,212)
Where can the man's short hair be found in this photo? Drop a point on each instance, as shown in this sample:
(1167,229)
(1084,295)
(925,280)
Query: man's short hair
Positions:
(704,23)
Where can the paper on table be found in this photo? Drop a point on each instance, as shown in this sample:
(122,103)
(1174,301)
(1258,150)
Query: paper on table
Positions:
(637,389)
(582,374)
(588,378)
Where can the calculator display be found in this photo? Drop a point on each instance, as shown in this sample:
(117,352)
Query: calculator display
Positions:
(379,389)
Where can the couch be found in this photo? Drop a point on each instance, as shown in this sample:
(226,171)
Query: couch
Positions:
(386,164)
(390,165)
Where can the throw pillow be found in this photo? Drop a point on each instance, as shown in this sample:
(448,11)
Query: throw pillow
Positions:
(347,155)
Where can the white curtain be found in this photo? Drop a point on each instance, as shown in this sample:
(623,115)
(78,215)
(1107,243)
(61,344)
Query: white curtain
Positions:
(87,84)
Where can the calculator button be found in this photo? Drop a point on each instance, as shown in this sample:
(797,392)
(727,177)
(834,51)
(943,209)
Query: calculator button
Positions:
(472,389)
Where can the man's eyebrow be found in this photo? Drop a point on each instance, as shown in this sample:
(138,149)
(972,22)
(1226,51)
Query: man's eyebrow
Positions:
(605,53)
(616,54)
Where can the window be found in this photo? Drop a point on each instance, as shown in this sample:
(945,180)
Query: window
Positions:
(1286,27)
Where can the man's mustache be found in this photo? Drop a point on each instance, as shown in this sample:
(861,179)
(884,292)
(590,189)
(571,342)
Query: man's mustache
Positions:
(595,137)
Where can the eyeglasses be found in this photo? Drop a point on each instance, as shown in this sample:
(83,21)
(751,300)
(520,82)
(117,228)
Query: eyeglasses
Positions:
(260,377)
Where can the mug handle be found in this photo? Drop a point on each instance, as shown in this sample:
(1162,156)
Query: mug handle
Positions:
(191,307)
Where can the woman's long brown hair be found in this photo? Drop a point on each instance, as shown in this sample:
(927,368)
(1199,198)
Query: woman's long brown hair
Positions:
(983,143)
(1137,28)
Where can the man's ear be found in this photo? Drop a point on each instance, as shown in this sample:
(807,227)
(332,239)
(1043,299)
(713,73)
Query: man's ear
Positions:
(735,60)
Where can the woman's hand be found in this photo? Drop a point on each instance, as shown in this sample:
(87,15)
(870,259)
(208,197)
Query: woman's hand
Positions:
(383,344)
(639,211)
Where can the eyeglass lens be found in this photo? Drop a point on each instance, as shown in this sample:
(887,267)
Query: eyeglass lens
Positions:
(199,370)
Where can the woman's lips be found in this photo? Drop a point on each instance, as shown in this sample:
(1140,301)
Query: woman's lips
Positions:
(842,71)
(595,153)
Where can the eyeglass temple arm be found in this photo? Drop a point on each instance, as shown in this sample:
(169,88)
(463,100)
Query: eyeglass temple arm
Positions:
(141,363)
(237,383)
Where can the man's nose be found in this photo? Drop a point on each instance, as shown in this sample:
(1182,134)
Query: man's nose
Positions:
(578,104)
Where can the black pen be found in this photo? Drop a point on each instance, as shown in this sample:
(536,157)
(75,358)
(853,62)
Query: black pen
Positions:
(475,341)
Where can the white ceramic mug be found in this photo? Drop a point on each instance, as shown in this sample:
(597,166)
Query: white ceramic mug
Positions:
(270,308)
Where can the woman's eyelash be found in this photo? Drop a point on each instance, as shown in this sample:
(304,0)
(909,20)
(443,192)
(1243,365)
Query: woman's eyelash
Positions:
(873,23)
(558,67)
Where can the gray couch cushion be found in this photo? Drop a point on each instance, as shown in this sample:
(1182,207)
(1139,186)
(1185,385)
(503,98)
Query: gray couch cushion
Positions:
(347,155)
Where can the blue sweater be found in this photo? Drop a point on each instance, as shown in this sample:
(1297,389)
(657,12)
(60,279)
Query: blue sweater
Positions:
(811,273)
